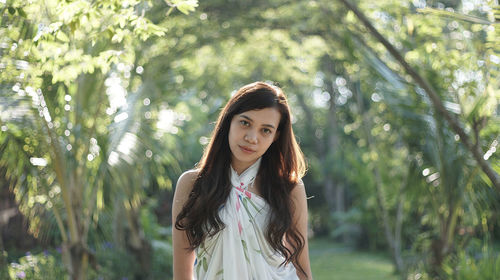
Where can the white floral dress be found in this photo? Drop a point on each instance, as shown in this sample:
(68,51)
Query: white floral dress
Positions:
(240,251)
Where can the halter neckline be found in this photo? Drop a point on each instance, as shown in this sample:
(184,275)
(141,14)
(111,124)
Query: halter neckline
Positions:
(246,179)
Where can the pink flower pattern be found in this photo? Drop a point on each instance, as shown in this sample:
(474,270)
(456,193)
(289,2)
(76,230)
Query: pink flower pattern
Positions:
(246,256)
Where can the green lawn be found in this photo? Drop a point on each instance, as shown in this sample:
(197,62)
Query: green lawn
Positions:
(333,261)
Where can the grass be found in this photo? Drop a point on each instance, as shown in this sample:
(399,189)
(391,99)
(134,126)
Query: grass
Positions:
(333,261)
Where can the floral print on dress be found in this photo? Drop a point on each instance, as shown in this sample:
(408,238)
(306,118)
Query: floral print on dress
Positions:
(240,250)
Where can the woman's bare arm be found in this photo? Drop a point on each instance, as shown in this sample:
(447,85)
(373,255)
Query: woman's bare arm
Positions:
(183,258)
(299,218)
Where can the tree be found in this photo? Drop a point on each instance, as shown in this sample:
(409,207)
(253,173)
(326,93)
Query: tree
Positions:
(439,149)
(71,119)
(477,121)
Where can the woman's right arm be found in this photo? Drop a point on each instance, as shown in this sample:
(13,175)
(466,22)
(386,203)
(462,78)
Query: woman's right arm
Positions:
(183,257)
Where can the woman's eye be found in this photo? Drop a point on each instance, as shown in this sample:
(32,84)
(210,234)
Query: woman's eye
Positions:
(244,123)
(266,131)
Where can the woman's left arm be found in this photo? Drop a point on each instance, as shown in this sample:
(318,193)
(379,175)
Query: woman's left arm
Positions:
(299,218)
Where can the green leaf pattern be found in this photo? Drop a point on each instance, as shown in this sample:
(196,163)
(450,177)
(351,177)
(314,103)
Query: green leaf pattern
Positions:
(240,250)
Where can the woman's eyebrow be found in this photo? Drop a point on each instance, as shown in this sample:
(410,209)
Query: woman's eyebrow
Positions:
(249,119)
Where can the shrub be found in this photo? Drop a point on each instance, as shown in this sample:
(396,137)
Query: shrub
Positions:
(481,267)
(38,267)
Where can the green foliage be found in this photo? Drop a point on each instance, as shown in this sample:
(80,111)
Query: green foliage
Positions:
(114,263)
(37,267)
(185,6)
(161,243)
(465,267)
(465,264)
(69,73)
(162,264)
(347,223)
(113,100)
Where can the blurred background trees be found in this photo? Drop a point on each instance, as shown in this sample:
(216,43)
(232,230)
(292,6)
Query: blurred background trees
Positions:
(104,103)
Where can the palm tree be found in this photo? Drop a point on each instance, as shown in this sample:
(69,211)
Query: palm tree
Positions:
(446,181)
(477,122)
(74,132)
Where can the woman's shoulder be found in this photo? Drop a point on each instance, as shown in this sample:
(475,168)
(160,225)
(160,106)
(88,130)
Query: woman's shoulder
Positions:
(300,183)
(190,174)
(184,187)
(186,180)
(299,190)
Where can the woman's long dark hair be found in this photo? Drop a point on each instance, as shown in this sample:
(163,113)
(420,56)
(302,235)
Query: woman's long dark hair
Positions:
(281,168)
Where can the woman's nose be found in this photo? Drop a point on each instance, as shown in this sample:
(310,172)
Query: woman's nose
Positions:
(251,137)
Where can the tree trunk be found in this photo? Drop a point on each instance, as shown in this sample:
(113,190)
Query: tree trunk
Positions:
(75,256)
(437,257)
(137,243)
(398,258)
(339,198)
(394,244)
(322,151)
(76,260)
(329,193)
(336,191)
(382,205)
(340,208)
(3,259)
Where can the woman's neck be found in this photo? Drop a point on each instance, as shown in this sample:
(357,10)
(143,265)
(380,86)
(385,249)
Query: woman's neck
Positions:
(240,167)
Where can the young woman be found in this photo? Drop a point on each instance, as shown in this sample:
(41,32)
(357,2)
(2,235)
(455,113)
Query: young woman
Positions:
(242,214)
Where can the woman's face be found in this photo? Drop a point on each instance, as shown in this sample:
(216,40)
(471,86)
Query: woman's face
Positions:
(250,135)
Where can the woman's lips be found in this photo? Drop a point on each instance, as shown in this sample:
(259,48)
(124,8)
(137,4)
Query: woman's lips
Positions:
(246,149)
